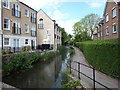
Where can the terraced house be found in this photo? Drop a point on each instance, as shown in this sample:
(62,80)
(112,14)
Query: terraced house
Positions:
(18,25)
(109,26)
(22,26)
(48,31)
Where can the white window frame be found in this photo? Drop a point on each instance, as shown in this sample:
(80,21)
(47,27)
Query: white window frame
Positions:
(8,24)
(33,16)
(17,27)
(107,17)
(114,12)
(8,42)
(107,28)
(7,3)
(113,27)
(27,28)
(48,32)
(27,13)
(17,10)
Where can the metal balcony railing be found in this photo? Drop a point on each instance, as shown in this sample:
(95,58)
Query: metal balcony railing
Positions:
(16,30)
(16,13)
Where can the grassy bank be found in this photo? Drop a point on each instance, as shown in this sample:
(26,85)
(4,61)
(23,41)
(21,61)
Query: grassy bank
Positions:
(102,54)
(24,61)
(68,82)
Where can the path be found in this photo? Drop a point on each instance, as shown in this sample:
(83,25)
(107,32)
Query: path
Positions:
(105,80)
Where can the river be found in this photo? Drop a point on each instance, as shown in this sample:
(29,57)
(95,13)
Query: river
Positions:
(42,75)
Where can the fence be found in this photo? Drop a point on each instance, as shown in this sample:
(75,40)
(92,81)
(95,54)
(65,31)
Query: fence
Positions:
(94,69)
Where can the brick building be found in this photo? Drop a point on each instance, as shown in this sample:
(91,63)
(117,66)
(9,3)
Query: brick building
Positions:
(109,26)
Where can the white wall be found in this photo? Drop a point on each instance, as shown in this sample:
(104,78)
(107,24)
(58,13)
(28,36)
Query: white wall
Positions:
(21,40)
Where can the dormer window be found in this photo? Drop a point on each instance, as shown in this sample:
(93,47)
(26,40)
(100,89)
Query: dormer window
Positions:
(114,12)
(40,23)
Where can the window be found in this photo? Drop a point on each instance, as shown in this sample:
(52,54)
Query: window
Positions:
(41,23)
(107,31)
(33,33)
(26,41)
(48,32)
(32,17)
(26,13)
(16,27)
(16,10)
(6,41)
(101,34)
(107,18)
(98,34)
(26,28)
(114,12)
(6,24)
(114,28)
(6,4)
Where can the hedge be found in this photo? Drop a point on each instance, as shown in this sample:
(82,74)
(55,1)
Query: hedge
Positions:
(102,54)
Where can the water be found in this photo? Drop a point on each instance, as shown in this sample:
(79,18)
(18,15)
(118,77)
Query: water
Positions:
(42,75)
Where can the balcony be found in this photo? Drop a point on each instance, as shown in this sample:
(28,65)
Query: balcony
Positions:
(33,33)
(33,20)
(16,30)
(40,26)
(16,13)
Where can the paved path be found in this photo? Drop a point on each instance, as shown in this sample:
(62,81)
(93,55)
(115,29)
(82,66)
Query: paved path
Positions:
(107,81)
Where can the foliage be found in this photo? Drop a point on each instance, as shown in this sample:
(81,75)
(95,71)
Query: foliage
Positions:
(102,54)
(8,51)
(84,29)
(67,82)
(28,48)
(72,50)
(24,61)
(3,51)
(23,48)
(61,48)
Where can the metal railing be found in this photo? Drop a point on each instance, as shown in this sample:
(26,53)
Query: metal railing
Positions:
(33,20)
(92,78)
(16,30)
(16,13)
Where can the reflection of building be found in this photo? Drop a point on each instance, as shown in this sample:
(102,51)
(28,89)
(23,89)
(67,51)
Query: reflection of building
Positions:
(48,31)
(18,25)
(109,26)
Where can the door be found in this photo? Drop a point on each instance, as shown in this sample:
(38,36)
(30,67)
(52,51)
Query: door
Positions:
(16,45)
(32,44)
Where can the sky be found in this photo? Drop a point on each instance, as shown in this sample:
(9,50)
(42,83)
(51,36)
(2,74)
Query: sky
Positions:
(68,12)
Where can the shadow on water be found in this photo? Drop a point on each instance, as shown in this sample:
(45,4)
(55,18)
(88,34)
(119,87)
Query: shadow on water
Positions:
(42,75)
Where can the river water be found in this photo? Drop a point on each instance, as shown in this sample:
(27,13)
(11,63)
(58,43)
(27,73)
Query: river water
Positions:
(42,75)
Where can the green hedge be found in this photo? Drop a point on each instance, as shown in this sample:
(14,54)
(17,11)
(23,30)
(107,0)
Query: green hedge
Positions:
(102,54)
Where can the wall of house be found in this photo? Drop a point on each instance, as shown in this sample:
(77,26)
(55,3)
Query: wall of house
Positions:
(108,10)
(0,26)
(47,24)
(119,19)
(7,13)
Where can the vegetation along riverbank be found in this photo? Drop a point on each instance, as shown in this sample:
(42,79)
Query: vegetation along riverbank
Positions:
(24,61)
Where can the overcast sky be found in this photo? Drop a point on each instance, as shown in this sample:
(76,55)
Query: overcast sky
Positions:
(67,12)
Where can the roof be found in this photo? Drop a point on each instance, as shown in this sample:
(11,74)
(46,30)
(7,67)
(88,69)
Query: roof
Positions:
(26,5)
(45,14)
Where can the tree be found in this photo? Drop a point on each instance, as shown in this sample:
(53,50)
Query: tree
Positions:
(85,27)
(64,36)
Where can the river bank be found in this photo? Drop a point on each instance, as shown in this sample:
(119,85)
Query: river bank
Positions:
(41,75)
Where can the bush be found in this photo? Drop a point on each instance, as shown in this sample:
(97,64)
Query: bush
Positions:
(61,48)
(8,51)
(102,54)
(23,49)
(28,48)
(35,57)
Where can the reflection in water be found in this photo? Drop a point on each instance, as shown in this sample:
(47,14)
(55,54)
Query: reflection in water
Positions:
(45,75)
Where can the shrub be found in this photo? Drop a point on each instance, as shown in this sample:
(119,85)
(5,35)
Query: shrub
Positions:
(61,48)
(28,48)
(23,49)
(102,54)
(8,51)
(35,57)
